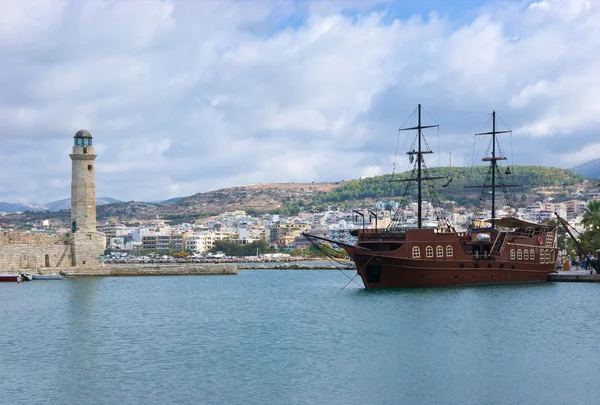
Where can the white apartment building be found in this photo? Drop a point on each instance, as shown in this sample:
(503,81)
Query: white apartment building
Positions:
(233,215)
(202,242)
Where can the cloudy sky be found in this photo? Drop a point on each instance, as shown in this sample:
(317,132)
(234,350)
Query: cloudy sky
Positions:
(190,96)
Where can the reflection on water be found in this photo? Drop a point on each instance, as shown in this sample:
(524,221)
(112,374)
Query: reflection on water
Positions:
(294,337)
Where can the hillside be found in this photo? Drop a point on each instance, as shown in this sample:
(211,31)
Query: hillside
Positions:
(590,170)
(530,177)
(255,198)
(290,198)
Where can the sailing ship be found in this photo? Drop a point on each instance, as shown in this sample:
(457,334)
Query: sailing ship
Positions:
(491,251)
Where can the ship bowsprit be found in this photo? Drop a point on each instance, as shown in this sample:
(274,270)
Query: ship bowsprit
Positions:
(326,247)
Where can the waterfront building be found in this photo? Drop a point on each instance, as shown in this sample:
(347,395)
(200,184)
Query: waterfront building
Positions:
(163,242)
(282,234)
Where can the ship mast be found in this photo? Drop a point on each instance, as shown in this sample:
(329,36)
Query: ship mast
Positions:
(493,159)
(419,153)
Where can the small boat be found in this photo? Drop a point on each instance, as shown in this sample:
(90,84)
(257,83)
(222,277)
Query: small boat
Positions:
(46,277)
(14,277)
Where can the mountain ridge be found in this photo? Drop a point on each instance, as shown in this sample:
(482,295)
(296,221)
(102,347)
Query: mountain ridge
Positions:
(290,198)
(64,204)
(589,169)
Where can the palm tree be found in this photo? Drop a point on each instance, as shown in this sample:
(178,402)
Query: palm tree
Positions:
(591,215)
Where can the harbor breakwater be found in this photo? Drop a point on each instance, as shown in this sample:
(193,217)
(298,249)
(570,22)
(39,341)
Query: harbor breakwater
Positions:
(294,266)
(112,270)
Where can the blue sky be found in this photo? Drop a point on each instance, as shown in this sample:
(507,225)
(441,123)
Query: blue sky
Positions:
(190,96)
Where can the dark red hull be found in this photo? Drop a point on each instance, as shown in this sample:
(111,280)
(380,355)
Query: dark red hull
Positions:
(9,278)
(424,258)
(378,271)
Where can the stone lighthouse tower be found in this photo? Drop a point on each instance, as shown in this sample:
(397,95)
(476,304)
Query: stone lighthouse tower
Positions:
(88,244)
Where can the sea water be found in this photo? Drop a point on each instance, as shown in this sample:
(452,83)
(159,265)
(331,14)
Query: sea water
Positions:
(295,337)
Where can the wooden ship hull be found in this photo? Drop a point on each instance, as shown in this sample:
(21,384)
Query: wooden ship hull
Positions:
(425,258)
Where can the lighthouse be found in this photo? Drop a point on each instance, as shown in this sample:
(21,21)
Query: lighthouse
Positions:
(83,187)
(88,244)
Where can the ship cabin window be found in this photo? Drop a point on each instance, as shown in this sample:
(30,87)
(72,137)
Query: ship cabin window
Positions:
(552,257)
(526,254)
(416,252)
(449,251)
(542,256)
(512,254)
(548,256)
(439,251)
(532,254)
(429,251)
(519,254)
(549,239)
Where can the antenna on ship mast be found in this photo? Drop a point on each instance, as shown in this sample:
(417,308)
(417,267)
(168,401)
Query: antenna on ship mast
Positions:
(494,166)
(419,153)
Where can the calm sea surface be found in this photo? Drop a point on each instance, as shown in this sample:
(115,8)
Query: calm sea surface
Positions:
(293,337)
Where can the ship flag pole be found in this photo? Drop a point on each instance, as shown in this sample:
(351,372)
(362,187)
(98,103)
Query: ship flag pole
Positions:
(493,159)
(419,152)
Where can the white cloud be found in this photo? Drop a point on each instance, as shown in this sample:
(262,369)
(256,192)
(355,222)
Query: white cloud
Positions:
(183,97)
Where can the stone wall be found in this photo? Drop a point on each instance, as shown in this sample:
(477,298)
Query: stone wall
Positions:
(27,251)
(24,238)
(88,248)
(186,269)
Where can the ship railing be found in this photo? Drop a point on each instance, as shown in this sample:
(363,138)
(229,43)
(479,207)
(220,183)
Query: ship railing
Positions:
(486,256)
(376,234)
(529,232)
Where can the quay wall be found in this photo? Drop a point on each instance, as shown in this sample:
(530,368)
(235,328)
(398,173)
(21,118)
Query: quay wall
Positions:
(294,266)
(575,278)
(191,269)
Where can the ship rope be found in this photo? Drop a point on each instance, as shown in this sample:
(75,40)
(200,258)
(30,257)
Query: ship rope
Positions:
(338,258)
(358,271)
(440,214)
(444,225)
(499,178)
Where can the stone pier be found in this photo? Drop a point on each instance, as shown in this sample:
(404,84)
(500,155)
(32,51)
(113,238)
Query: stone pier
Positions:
(185,269)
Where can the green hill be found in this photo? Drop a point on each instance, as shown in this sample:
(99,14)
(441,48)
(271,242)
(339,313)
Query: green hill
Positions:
(380,187)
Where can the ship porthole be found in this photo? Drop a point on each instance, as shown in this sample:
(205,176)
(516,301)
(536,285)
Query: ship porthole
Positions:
(455,276)
(422,275)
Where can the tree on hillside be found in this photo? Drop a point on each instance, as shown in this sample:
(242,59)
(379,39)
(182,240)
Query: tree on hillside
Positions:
(591,215)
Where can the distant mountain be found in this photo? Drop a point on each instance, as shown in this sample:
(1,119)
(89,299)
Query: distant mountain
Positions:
(172,200)
(66,203)
(10,207)
(590,169)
